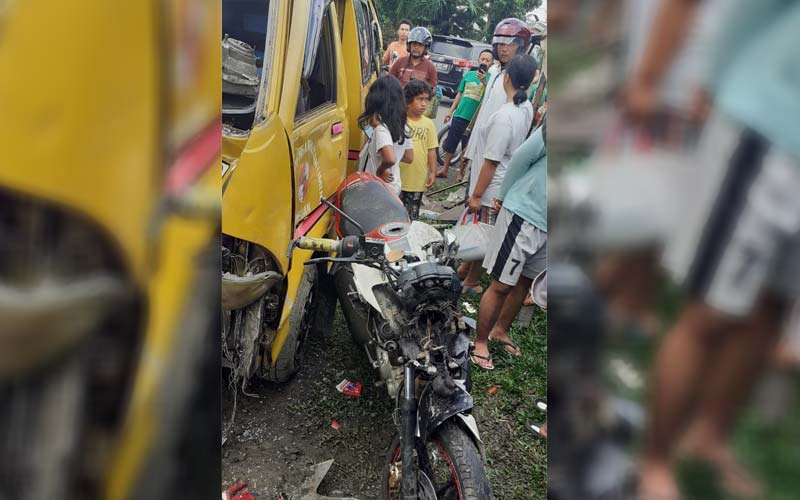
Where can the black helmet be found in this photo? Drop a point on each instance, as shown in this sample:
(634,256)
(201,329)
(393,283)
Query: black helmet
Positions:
(419,35)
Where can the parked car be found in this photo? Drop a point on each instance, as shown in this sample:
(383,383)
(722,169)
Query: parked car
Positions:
(453,57)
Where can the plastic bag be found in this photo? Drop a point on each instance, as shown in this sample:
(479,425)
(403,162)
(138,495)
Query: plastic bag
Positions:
(472,236)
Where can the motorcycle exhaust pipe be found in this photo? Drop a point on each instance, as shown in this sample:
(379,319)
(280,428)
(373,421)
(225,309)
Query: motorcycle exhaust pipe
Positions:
(408,432)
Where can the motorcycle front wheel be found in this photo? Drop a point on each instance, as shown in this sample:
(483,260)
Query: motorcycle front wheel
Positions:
(450,460)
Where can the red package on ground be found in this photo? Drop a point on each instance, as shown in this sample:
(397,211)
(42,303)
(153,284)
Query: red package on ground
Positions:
(349,388)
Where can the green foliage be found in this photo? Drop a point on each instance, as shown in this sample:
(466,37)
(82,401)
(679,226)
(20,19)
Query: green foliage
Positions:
(474,19)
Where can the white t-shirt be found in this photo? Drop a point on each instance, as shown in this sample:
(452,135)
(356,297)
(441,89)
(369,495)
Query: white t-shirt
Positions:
(381,137)
(505,131)
(493,98)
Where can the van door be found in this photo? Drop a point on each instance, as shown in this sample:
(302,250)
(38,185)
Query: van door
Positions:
(320,133)
(361,47)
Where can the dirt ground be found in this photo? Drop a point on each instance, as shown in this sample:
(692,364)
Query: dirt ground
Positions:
(277,436)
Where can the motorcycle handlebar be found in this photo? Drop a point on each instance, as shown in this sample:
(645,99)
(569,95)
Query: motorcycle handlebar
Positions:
(345,247)
(318,244)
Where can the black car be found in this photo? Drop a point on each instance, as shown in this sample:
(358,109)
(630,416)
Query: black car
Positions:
(453,57)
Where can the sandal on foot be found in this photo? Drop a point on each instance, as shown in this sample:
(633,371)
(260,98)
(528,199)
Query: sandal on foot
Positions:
(517,352)
(487,359)
(471,290)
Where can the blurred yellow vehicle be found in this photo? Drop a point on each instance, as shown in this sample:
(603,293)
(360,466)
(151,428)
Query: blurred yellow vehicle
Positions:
(109,256)
(295,74)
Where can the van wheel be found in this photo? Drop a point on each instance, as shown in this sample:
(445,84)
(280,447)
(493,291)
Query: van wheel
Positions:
(323,309)
(289,360)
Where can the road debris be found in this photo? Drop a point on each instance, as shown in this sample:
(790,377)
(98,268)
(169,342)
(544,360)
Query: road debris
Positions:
(348,388)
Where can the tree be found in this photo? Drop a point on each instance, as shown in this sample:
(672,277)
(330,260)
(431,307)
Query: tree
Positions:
(473,19)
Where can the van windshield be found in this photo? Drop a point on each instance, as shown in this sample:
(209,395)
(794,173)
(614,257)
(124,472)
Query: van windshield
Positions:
(244,39)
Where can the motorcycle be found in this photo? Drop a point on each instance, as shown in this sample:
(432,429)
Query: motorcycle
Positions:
(400,298)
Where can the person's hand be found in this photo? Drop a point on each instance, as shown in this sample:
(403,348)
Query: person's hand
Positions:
(482,77)
(447,117)
(431,180)
(387,176)
(640,101)
(473,204)
(701,105)
(498,204)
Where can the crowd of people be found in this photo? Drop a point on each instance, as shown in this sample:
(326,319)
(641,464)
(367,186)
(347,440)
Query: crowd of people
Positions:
(495,116)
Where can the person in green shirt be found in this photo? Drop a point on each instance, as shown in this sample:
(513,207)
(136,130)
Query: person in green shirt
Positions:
(470,92)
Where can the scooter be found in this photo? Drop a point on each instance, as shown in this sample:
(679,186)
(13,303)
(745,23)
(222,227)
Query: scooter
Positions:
(400,296)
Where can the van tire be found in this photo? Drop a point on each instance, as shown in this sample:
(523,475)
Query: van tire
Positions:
(290,359)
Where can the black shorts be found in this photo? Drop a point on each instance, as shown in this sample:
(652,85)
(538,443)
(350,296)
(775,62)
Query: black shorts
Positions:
(456,133)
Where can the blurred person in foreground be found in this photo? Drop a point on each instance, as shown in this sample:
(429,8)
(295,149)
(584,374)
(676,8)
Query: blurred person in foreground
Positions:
(511,37)
(739,252)
(398,48)
(629,277)
(518,251)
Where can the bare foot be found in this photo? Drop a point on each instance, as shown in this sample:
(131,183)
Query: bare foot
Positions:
(442,174)
(734,477)
(503,338)
(657,482)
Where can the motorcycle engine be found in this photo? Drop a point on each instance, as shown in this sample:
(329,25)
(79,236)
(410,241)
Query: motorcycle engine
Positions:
(428,283)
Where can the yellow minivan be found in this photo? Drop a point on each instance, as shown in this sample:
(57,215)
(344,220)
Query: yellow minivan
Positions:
(109,248)
(295,74)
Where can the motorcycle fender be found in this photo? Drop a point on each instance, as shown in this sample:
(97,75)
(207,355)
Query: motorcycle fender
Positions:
(434,410)
(472,426)
(365,278)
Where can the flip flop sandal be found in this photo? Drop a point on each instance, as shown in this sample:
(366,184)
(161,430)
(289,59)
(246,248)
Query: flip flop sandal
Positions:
(536,428)
(489,366)
(506,343)
(472,290)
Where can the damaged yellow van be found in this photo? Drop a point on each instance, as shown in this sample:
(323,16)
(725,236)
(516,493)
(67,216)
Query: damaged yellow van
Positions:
(109,249)
(295,74)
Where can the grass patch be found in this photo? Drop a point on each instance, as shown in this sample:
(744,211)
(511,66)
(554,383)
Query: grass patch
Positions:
(517,459)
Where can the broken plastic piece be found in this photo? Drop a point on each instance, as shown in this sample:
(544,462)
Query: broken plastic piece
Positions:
(349,388)
(335,424)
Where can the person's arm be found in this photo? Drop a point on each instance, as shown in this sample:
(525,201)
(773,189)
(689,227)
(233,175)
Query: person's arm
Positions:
(434,76)
(388,54)
(384,170)
(529,152)
(395,69)
(433,158)
(408,155)
(433,164)
(497,143)
(453,107)
(674,18)
(484,179)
